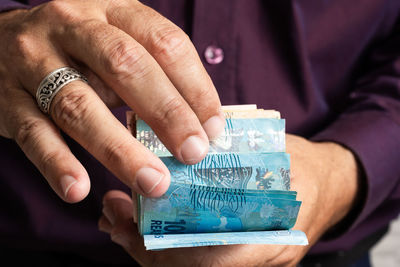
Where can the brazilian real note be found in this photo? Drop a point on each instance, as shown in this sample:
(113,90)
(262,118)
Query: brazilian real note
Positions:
(252,135)
(202,209)
(275,237)
(266,171)
(237,195)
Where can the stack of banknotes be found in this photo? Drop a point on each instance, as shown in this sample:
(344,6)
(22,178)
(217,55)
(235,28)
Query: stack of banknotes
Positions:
(238,194)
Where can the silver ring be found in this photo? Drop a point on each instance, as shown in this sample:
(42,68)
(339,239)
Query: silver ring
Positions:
(53,83)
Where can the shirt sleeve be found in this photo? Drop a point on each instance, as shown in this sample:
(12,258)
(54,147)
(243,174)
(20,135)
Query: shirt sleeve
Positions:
(6,5)
(370,127)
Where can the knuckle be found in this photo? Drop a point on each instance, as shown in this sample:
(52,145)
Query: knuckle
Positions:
(62,10)
(124,59)
(26,132)
(49,160)
(169,110)
(115,153)
(24,46)
(27,137)
(204,101)
(71,108)
(202,95)
(169,42)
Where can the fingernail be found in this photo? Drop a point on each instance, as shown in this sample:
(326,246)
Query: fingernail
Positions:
(67,182)
(194,149)
(214,126)
(120,239)
(148,179)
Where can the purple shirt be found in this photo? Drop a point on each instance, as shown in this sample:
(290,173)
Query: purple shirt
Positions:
(332,68)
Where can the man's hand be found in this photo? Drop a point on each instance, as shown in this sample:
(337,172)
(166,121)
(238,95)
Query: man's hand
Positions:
(323,174)
(130,54)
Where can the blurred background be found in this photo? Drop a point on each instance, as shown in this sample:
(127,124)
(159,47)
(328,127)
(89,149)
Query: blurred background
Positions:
(387,252)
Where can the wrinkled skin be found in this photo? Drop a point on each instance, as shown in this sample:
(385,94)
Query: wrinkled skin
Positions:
(325,177)
(130,55)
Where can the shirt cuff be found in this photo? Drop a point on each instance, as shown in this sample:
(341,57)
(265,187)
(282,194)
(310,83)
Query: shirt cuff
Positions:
(374,139)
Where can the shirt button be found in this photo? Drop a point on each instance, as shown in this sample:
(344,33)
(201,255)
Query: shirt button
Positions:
(214,54)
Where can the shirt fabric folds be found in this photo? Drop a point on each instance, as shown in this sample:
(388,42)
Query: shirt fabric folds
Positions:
(332,68)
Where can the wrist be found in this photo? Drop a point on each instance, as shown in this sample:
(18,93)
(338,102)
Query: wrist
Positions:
(325,176)
(343,184)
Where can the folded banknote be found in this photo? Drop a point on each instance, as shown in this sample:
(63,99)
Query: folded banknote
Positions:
(234,170)
(283,237)
(198,209)
(238,194)
(252,135)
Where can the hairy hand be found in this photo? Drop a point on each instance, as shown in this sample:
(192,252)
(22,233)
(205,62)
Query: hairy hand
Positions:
(130,54)
(323,174)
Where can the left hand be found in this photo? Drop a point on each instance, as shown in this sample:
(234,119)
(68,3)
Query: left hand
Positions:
(325,177)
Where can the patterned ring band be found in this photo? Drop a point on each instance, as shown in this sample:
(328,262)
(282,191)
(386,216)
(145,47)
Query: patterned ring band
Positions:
(53,83)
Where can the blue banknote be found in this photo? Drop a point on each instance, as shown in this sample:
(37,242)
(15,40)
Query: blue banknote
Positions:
(283,237)
(203,209)
(232,170)
(238,194)
(254,135)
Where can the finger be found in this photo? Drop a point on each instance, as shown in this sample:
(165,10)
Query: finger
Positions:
(117,200)
(177,56)
(125,232)
(106,94)
(127,236)
(42,143)
(80,113)
(104,225)
(138,79)
(83,116)
(108,206)
(115,194)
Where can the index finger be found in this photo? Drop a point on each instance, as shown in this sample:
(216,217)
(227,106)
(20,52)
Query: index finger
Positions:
(177,56)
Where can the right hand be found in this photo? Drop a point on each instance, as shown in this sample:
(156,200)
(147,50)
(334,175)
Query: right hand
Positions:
(130,54)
